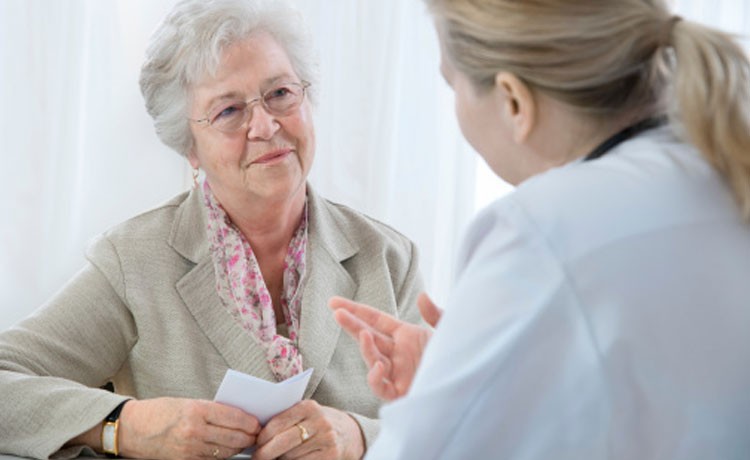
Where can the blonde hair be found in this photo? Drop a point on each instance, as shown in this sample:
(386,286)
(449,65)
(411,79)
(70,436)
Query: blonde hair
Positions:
(610,58)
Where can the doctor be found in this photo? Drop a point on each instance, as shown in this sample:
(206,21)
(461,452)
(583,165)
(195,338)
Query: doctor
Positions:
(601,310)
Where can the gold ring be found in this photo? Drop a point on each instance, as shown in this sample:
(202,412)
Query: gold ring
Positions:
(303,434)
(215,453)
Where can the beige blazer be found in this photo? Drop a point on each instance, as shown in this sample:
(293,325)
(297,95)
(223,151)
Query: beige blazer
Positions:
(144,314)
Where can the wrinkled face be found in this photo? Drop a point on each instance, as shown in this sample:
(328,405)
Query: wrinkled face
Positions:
(482,121)
(271,157)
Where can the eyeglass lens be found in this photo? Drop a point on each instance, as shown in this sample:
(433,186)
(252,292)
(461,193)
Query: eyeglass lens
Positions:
(279,101)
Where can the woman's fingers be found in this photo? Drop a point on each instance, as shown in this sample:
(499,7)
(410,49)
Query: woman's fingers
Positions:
(232,418)
(171,428)
(226,437)
(287,442)
(309,428)
(215,451)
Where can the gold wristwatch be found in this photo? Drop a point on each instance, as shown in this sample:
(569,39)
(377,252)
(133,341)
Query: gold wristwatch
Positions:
(111,432)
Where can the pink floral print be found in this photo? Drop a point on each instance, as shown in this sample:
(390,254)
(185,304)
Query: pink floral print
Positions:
(243,291)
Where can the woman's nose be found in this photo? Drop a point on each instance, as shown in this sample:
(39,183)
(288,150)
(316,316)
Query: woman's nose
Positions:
(262,125)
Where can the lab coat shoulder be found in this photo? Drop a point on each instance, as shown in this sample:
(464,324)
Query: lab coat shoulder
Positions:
(513,313)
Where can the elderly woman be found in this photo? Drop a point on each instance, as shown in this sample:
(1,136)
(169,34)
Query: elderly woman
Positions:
(601,310)
(234,274)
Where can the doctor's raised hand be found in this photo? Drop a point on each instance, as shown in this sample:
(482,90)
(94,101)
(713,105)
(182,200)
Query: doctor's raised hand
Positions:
(392,348)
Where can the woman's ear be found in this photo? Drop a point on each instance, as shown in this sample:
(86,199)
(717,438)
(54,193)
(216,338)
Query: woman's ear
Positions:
(518,104)
(193,159)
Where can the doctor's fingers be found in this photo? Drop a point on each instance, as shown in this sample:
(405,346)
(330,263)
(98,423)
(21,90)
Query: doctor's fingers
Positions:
(377,319)
(350,323)
(429,311)
(375,350)
(380,383)
(376,343)
(354,326)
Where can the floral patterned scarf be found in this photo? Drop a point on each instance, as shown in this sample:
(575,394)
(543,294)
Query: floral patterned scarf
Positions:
(243,291)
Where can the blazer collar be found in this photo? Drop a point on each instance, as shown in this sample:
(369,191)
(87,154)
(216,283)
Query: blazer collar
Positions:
(188,235)
(197,288)
(328,248)
(327,251)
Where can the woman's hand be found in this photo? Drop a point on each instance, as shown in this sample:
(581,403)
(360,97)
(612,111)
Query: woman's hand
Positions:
(170,428)
(391,348)
(310,431)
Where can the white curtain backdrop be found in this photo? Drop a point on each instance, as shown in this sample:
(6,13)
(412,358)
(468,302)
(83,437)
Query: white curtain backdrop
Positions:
(80,153)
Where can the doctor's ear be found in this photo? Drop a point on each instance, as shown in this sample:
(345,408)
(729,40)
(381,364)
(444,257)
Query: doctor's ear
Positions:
(518,104)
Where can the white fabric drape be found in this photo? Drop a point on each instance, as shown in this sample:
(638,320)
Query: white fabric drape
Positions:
(81,154)
(79,151)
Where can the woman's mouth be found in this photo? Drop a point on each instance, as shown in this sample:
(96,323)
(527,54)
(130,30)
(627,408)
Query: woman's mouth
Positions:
(273,156)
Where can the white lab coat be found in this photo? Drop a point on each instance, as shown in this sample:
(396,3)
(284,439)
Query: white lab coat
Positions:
(601,311)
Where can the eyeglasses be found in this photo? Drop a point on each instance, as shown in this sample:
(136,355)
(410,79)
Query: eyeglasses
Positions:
(232,116)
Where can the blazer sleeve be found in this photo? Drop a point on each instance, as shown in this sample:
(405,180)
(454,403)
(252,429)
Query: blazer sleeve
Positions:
(406,300)
(53,363)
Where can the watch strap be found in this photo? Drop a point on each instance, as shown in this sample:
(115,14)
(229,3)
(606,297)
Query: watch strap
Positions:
(110,432)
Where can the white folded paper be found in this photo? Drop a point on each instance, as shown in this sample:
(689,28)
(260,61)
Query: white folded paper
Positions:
(259,397)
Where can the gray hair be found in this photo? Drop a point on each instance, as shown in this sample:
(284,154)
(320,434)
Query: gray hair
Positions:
(187,47)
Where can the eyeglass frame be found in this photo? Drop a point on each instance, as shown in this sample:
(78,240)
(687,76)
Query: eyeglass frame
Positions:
(249,104)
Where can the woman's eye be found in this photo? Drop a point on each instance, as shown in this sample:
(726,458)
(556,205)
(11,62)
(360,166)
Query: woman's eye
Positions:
(232,109)
(280,92)
(228,112)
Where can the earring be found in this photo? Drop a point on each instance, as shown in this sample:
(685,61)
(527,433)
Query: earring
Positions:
(196,171)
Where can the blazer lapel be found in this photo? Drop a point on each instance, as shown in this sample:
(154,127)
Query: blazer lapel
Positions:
(197,288)
(326,276)
(328,249)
